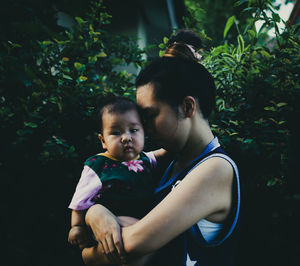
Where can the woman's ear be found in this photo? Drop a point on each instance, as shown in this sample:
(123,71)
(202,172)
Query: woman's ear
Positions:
(189,106)
(100,137)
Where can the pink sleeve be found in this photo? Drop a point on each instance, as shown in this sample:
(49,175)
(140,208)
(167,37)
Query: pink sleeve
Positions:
(86,190)
(152,158)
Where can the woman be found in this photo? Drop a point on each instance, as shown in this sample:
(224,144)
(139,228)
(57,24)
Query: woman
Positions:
(198,197)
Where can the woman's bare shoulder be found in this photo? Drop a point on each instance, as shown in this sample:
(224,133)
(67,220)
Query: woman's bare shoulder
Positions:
(216,168)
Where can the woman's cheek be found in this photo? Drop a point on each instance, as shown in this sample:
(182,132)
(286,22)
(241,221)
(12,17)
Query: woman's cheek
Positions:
(159,126)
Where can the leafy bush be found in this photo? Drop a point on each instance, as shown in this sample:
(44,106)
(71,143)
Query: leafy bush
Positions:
(258,91)
(59,86)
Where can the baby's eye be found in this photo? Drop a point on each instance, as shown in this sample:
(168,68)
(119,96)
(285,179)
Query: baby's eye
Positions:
(116,133)
(133,130)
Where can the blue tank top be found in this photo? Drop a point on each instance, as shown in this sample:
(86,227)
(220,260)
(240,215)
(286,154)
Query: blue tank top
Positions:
(221,251)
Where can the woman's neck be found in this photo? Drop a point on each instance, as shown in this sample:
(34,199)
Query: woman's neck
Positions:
(200,136)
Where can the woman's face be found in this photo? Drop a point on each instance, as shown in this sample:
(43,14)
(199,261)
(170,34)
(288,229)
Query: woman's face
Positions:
(162,124)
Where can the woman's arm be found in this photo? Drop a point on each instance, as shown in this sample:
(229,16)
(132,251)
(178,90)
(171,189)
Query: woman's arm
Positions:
(204,193)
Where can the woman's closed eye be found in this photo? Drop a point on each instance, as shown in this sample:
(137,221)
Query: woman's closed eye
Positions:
(149,115)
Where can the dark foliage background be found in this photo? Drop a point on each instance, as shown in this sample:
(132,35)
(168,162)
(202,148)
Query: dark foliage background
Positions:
(50,78)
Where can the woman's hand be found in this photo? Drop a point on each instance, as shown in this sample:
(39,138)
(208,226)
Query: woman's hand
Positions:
(107,232)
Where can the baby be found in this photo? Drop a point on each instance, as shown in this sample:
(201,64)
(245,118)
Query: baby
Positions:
(119,178)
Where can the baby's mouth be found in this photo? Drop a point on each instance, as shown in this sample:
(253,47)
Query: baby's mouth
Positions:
(128,149)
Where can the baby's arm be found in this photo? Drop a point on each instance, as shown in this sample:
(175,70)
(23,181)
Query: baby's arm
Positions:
(79,235)
(83,198)
(162,156)
(162,159)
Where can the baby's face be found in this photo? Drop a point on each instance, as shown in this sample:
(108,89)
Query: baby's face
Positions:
(122,134)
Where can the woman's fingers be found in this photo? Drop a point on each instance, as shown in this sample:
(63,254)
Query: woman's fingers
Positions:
(110,250)
(117,241)
(111,253)
(104,246)
(105,250)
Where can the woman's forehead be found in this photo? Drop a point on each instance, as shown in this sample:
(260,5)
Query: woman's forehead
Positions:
(145,95)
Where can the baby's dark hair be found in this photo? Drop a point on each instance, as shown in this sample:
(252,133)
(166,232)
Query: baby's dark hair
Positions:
(179,74)
(114,104)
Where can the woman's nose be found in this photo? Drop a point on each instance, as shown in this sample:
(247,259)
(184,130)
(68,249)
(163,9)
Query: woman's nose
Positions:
(149,129)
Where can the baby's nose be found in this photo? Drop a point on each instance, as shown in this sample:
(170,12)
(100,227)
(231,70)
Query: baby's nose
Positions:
(126,137)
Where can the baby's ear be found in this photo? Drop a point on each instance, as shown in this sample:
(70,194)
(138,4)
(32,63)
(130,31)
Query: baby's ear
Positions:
(100,137)
(189,106)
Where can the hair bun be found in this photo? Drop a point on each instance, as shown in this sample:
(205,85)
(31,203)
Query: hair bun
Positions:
(184,44)
(186,36)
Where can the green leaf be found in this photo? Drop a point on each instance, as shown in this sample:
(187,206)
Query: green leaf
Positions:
(270,109)
(78,66)
(46,42)
(251,34)
(30,124)
(271,182)
(265,54)
(15,45)
(249,9)
(276,17)
(281,104)
(83,78)
(234,122)
(273,120)
(161,53)
(241,43)
(92,59)
(165,40)
(67,77)
(238,3)
(161,46)
(80,21)
(101,54)
(228,25)
(61,42)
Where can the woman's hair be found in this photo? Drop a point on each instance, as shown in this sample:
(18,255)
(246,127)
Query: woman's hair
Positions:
(184,44)
(114,104)
(179,74)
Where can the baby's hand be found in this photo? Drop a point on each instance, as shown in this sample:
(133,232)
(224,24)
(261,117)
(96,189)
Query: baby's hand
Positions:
(80,236)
